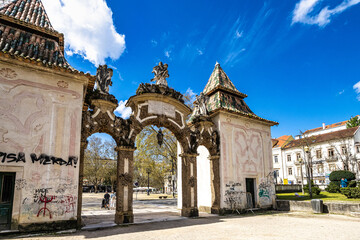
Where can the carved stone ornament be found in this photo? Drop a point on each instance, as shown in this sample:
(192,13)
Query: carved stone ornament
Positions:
(161,73)
(160,89)
(8,73)
(103,78)
(118,128)
(62,84)
(125,179)
(192,181)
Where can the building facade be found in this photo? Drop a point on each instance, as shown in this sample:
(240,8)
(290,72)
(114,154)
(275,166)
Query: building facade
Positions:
(330,148)
(41,99)
(246,169)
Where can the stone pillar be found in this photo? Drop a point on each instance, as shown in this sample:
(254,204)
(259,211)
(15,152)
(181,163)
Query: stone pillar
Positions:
(189,185)
(83,146)
(215,184)
(124,186)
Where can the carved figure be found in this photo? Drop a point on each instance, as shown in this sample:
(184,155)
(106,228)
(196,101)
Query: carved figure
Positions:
(200,105)
(103,78)
(161,73)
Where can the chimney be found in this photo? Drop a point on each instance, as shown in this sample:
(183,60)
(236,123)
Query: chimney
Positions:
(323,125)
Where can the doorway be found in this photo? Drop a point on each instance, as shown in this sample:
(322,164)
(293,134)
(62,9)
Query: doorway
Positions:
(7,183)
(250,192)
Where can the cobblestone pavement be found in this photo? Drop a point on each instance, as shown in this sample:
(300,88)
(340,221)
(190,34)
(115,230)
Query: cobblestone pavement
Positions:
(266,226)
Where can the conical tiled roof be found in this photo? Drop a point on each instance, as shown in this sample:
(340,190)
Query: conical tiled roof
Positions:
(29,11)
(219,80)
(223,95)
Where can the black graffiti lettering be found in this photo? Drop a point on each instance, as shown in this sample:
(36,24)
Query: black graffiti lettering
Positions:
(47,160)
(21,157)
(2,154)
(37,159)
(43,159)
(11,157)
(72,160)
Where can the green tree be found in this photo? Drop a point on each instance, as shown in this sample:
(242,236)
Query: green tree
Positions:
(100,161)
(353,122)
(150,156)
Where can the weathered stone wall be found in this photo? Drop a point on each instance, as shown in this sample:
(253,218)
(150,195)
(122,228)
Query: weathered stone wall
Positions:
(40,140)
(245,153)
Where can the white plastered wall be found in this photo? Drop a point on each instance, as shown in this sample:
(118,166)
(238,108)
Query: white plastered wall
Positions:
(203,177)
(245,153)
(41,114)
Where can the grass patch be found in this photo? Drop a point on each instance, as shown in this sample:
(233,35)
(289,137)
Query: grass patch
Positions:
(325,196)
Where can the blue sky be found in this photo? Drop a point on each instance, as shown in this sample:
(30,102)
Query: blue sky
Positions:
(297,60)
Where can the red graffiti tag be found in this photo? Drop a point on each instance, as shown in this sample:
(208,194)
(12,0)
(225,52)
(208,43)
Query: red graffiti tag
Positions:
(45,200)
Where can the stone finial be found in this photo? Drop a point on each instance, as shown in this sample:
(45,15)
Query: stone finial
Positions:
(103,78)
(161,73)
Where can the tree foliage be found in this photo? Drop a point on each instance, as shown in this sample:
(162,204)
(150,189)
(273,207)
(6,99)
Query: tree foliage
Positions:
(353,122)
(100,162)
(150,156)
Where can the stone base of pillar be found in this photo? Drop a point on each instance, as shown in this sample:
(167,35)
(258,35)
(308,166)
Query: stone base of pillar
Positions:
(215,210)
(124,217)
(189,212)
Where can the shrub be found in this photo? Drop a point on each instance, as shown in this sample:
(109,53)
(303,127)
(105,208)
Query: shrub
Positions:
(351,192)
(314,189)
(352,184)
(334,187)
(338,175)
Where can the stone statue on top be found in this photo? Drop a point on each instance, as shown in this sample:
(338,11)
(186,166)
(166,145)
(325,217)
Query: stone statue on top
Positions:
(103,79)
(161,73)
(200,105)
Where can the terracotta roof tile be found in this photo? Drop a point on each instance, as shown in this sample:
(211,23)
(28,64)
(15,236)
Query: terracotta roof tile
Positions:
(326,127)
(283,140)
(29,45)
(345,133)
(29,11)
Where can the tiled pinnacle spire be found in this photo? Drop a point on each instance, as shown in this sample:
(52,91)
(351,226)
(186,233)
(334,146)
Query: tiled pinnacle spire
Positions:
(29,11)
(219,80)
(223,95)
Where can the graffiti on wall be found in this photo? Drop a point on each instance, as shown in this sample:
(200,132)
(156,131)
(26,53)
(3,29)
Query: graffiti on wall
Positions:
(233,195)
(45,204)
(42,159)
(266,189)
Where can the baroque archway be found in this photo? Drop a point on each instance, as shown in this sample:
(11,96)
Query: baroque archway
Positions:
(154,104)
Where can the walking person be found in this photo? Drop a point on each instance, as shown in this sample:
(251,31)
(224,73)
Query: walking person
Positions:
(107,199)
(112,200)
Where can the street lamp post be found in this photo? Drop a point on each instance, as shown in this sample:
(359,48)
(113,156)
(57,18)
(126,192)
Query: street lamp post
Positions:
(148,171)
(302,176)
(307,166)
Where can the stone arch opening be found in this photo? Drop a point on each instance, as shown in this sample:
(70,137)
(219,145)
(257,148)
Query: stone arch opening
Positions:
(100,176)
(153,104)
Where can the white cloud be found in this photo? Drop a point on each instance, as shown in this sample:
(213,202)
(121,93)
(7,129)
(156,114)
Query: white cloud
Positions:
(123,111)
(154,43)
(239,34)
(191,94)
(341,92)
(357,90)
(304,8)
(200,52)
(167,54)
(88,28)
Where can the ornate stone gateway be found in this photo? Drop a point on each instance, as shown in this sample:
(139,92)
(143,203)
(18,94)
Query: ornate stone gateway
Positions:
(154,104)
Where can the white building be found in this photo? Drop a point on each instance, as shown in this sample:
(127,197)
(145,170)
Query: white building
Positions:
(331,148)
